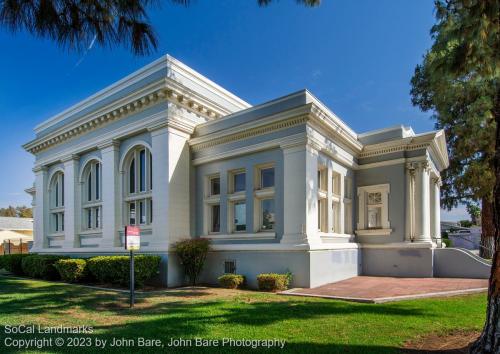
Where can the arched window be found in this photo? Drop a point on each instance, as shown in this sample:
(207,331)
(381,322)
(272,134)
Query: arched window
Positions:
(56,209)
(138,183)
(91,196)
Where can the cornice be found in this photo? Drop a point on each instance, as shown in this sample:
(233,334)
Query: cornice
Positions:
(157,92)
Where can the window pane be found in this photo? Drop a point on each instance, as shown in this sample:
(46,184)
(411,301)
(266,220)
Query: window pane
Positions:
(89,218)
(132,177)
(62,221)
(89,187)
(97,180)
(374,198)
(240,218)
(132,214)
(239,182)
(142,212)
(268,214)
(151,210)
(267,177)
(97,218)
(57,194)
(56,222)
(142,168)
(215,186)
(215,225)
(374,217)
(150,171)
(62,191)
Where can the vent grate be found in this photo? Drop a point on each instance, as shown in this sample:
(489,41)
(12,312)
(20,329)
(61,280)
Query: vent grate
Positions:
(230,266)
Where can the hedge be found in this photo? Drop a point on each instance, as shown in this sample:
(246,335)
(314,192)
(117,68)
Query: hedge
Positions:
(192,254)
(72,270)
(115,269)
(231,281)
(273,281)
(41,266)
(13,263)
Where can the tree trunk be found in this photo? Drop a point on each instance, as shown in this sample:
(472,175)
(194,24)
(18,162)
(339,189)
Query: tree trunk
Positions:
(489,341)
(487,229)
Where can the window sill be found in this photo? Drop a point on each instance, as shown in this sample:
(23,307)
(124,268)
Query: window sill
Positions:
(236,196)
(333,235)
(56,235)
(242,236)
(93,233)
(377,232)
(264,193)
(213,199)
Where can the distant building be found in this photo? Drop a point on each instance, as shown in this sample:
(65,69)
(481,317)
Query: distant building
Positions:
(16,234)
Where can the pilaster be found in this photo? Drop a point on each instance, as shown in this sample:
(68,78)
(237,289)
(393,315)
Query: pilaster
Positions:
(71,201)
(41,204)
(110,193)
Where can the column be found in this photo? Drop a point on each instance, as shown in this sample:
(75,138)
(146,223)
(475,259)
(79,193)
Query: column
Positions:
(422,198)
(40,217)
(342,206)
(71,202)
(171,168)
(300,186)
(110,194)
(436,208)
(330,216)
(410,202)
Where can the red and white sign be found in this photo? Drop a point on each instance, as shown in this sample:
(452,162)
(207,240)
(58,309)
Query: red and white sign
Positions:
(132,238)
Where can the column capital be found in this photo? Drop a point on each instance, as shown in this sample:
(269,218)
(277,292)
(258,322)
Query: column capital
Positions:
(38,169)
(437,181)
(110,145)
(70,158)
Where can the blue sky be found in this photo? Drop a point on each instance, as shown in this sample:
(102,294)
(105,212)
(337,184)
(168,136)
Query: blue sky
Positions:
(355,56)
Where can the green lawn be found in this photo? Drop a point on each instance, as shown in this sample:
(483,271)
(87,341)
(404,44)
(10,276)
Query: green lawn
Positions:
(306,324)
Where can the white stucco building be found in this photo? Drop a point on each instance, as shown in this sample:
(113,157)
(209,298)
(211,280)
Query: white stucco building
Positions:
(281,186)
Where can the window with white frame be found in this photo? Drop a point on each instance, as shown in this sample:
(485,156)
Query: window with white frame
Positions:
(91,196)
(212,204)
(138,182)
(56,195)
(373,216)
(336,201)
(348,205)
(265,214)
(322,182)
(237,201)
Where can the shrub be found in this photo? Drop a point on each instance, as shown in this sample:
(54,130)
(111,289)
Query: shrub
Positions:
(41,266)
(116,269)
(274,281)
(13,263)
(72,270)
(446,241)
(192,255)
(231,281)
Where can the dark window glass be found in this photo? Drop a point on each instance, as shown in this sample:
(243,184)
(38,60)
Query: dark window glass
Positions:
(215,186)
(89,187)
(239,182)
(89,218)
(132,177)
(97,178)
(151,211)
(142,213)
(97,218)
(215,218)
(57,194)
(142,168)
(62,190)
(267,177)
(62,221)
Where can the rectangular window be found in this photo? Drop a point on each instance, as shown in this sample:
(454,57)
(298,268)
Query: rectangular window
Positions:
(214,186)
(62,191)
(142,212)
(97,218)
(57,195)
(336,184)
(239,182)
(151,210)
(374,210)
(132,214)
(322,215)
(97,178)
(322,177)
(240,217)
(62,221)
(89,187)
(131,181)
(267,177)
(347,187)
(150,171)
(142,167)
(268,215)
(215,218)
(56,222)
(89,218)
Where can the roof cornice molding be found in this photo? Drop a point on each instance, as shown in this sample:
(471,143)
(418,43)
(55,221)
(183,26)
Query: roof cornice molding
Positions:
(161,91)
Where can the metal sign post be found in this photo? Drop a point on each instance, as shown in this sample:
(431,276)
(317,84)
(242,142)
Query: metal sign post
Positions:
(132,243)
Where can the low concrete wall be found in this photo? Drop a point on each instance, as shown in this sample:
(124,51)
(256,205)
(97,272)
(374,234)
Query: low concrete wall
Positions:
(334,265)
(397,262)
(459,263)
(252,263)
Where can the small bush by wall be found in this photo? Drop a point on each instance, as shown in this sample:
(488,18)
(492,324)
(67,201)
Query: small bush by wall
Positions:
(72,270)
(231,281)
(116,270)
(274,281)
(12,263)
(192,254)
(41,266)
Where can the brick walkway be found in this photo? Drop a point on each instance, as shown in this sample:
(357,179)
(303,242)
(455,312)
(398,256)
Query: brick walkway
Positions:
(385,289)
